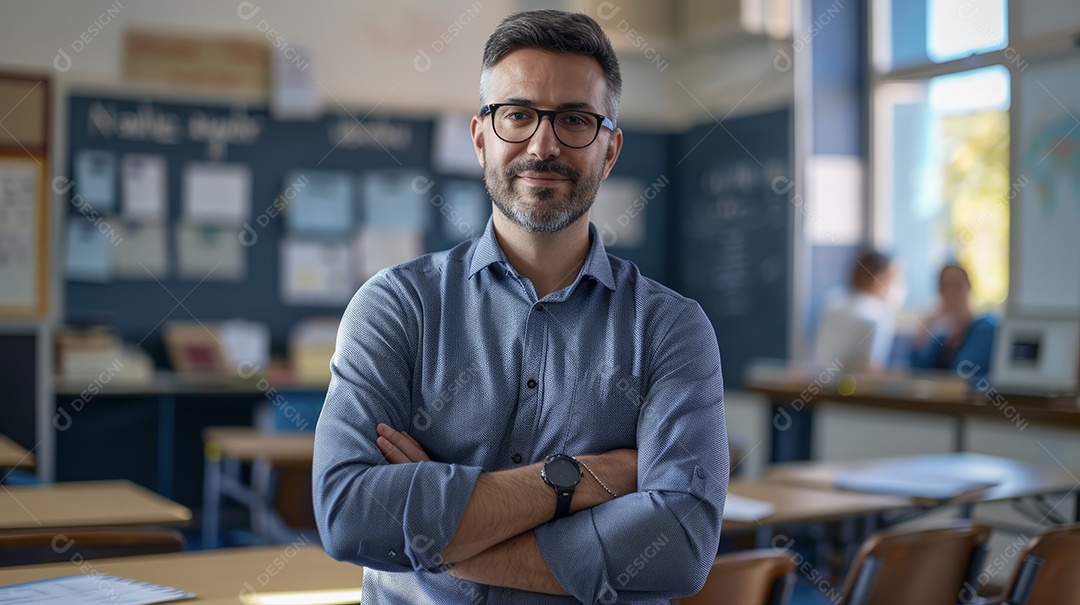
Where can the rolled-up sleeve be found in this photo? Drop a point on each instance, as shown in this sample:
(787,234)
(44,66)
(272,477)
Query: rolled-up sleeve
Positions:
(659,542)
(392,517)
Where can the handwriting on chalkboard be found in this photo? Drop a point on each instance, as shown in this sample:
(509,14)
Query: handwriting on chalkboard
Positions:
(151,123)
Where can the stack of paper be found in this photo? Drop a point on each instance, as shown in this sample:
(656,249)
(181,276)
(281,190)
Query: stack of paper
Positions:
(95,589)
(741,508)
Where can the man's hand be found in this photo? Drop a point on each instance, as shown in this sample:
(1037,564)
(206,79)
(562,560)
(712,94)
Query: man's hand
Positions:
(398,447)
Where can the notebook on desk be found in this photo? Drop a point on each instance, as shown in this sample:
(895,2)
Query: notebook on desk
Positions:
(933,477)
(96,589)
(746,510)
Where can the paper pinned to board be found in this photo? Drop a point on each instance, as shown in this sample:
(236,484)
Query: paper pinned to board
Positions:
(316,273)
(322,203)
(144,183)
(217,194)
(141,253)
(377,249)
(209,253)
(89,252)
(95,179)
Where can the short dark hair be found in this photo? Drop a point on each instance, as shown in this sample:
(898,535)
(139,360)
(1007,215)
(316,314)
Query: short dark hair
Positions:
(558,32)
(867,269)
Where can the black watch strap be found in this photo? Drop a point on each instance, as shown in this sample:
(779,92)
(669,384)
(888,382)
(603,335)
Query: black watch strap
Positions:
(562,502)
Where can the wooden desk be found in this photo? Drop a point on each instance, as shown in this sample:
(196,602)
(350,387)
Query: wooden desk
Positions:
(227,449)
(13,455)
(796,504)
(803,505)
(932,392)
(86,504)
(167,389)
(1018,480)
(220,576)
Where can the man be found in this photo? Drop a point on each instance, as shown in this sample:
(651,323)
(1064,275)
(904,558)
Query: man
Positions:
(525,419)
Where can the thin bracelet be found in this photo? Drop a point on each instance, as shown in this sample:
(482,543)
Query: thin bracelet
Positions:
(613,494)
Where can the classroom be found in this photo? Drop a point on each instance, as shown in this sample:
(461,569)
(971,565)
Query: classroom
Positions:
(308,303)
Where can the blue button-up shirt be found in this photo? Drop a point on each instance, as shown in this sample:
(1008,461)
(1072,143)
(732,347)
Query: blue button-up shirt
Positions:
(456,349)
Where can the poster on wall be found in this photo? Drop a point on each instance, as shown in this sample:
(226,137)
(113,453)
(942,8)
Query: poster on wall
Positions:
(1047,251)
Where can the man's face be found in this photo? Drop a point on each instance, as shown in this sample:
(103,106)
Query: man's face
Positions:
(540,184)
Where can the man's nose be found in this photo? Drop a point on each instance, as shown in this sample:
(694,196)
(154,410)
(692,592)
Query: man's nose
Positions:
(544,144)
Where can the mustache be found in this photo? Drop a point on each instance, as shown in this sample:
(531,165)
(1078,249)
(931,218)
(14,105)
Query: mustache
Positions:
(532,165)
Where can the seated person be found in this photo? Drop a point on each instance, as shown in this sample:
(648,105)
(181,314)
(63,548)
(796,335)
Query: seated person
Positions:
(858,331)
(952,335)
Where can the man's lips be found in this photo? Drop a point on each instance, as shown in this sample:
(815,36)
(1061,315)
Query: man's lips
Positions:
(542,179)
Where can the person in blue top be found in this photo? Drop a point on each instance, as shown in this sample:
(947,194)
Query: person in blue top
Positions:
(526,419)
(953,335)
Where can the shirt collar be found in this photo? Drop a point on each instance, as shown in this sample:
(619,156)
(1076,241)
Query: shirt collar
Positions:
(487,252)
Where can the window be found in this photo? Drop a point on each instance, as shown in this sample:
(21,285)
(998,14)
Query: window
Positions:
(941,146)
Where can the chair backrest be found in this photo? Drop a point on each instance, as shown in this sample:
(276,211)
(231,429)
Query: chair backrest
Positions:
(917,567)
(755,577)
(1050,560)
(29,547)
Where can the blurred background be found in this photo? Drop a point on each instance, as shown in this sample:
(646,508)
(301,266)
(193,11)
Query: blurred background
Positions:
(191,192)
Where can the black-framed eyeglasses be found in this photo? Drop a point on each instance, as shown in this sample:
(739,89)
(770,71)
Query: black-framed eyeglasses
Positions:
(573,127)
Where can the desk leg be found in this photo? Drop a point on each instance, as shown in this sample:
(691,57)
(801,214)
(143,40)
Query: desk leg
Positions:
(792,432)
(166,443)
(763,536)
(960,435)
(211,501)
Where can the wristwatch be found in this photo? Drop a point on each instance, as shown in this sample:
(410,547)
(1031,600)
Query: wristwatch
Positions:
(562,473)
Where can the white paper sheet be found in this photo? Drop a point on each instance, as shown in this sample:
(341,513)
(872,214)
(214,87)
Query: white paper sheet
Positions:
(316,273)
(296,93)
(86,589)
(246,342)
(740,508)
(95,179)
(210,253)
(217,194)
(141,253)
(19,232)
(377,249)
(144,182)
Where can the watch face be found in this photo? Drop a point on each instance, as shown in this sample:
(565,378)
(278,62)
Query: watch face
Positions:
(562,472)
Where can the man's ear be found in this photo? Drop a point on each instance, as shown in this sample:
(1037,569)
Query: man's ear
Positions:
(613,149)
(476,128)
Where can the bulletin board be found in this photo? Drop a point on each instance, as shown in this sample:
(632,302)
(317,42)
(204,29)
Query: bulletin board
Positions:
(189,133)
(24,136)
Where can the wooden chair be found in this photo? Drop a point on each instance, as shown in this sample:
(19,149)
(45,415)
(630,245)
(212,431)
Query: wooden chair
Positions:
(29,547)
(1048,573)
(756,577)
(917,567)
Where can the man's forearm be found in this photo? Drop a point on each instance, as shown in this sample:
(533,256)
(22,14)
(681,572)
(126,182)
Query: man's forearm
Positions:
(515,563)
(507,503)
(503,504)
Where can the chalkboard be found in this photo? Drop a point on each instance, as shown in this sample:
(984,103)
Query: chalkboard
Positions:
(186,132)
(733,250)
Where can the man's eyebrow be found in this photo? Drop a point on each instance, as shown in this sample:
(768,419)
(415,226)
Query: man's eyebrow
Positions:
(530,103)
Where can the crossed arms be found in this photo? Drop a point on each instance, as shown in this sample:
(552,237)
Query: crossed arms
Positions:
(494,543)
(416,514)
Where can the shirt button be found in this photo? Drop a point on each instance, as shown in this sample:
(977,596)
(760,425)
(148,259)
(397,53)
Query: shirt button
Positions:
(539,308)
(516,458)
(531,383)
